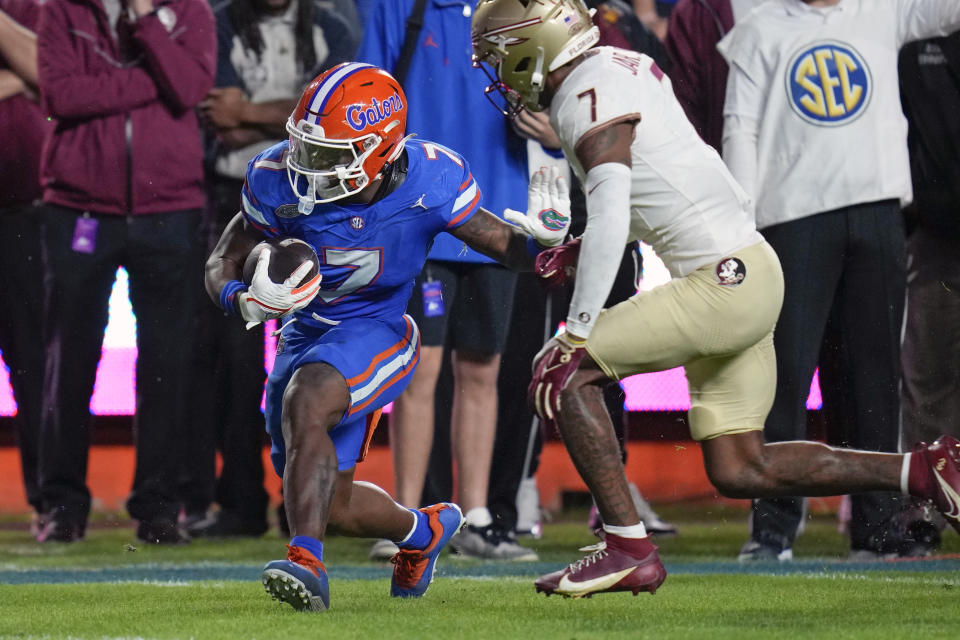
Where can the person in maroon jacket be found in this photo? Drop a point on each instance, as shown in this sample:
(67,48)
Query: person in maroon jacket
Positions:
(23,125)
(123,186)
(698,71)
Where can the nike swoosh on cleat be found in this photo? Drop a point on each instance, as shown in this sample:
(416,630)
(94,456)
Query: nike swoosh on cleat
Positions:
(952,498)
(568,586)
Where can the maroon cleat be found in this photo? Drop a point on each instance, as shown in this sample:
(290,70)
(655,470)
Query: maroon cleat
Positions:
(935,475)
(618,564)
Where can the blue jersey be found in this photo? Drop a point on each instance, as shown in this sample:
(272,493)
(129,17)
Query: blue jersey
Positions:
(369,254)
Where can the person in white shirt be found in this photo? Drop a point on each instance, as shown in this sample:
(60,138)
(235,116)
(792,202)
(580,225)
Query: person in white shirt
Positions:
(647,175)
(814,131)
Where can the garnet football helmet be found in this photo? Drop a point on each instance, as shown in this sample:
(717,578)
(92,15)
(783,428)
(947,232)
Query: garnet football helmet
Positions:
(524,41)
(349,123)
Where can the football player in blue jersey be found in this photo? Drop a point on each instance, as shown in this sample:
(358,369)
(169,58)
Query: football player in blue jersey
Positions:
(369,200)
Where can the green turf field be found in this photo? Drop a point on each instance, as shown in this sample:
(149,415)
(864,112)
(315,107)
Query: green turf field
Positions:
(110,586)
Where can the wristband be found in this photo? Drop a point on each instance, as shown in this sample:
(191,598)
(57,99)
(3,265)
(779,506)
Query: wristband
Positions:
(228,296)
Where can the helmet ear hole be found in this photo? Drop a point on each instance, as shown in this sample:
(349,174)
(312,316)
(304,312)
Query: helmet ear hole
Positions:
(523,65)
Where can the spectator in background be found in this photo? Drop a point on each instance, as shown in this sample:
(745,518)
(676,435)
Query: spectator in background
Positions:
(21,268)
(123,186)
(828,170)
(462,299)
(698,71)
(930,93)
(267,52)
(654,15)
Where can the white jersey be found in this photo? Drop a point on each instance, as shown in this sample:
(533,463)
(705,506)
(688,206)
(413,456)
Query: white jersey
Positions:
(684,202)
(818,88)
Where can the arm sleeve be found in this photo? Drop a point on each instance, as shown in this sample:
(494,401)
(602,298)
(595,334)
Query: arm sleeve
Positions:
(740,152)
(182,61)
(607,190)
(919,19)
(68,93)
(741,122)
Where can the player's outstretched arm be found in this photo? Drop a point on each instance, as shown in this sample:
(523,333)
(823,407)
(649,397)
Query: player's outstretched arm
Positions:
(225,263)
(545,224)
(493,237)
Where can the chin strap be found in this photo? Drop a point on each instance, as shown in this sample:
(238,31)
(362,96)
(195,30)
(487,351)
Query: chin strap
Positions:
(306,203)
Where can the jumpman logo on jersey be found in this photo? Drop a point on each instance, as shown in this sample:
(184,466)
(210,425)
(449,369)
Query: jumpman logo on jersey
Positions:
(419,202)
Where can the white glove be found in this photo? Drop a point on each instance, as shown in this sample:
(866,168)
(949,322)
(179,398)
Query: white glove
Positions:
(548,208)
(265,299)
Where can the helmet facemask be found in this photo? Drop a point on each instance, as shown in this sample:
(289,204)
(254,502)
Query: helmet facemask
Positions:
(508,101)
(321,169)
(523,42)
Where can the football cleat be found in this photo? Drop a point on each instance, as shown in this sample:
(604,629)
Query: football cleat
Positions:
(617,564)
(300,581)
(413,568)
(942,480)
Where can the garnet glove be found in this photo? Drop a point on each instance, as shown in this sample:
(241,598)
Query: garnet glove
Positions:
(558,265)
(552,369)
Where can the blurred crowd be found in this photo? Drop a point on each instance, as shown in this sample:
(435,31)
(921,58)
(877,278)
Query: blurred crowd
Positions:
(127,126)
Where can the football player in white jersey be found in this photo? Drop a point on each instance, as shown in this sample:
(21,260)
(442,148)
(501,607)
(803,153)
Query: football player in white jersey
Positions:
(648,176)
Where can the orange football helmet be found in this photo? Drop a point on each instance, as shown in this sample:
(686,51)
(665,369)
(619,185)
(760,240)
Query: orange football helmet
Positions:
(349,123)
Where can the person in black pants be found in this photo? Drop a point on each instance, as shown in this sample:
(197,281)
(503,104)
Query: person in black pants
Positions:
(21,274)
(930,92)
(227,375)
(849,320)
(123,186)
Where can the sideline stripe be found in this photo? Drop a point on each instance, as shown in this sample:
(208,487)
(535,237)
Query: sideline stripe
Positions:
(153,574)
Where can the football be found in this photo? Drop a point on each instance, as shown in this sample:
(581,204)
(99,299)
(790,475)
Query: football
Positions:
(287,254)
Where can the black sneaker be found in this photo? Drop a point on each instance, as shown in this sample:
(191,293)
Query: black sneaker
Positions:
(754,551)
(226,525)
(161,531)
(52,529)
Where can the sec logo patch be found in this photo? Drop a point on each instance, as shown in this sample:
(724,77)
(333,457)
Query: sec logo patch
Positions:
(828,84)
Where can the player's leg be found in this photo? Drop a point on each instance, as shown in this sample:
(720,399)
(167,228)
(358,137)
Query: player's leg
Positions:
(340,375)
(314,401)
(625,560)
(679,322)
(730,396)
(742,465)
